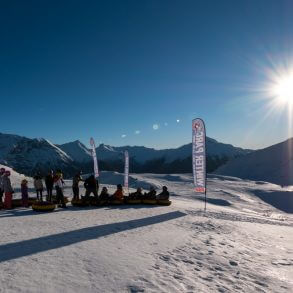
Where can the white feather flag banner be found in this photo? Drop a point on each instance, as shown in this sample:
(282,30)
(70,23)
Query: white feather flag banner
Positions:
(199,155)
(126,169)
(96,168)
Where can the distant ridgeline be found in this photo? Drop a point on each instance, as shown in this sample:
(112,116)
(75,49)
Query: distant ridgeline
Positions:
(29,156)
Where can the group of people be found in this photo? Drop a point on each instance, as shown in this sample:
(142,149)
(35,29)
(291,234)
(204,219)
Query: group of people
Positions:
(52,180)
(91,186)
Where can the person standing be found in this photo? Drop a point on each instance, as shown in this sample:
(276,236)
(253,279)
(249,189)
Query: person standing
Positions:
(24,193)
(75,185)
(49,182)
(8,190)
(58,181)
(38,183)
(2,172)
(91,185)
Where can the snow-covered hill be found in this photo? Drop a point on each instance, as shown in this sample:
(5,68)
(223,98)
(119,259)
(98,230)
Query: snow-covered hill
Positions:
(273,164)
(242,243)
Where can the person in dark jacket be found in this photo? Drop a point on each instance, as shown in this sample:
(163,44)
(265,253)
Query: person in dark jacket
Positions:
(104,194)
(75,185)
(8,190)
(151,194)
(24,193)
(2,172)
(92,186)
(136,195)
(164,194)
(49,182)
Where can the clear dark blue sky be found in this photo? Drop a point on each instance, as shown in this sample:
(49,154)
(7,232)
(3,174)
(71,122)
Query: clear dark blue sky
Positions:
(74,69)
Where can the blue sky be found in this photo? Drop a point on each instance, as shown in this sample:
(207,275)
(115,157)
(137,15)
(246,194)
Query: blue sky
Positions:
(74,69)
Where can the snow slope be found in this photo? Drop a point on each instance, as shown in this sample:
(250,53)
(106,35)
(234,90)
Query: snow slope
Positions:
(241,244)
(273,164)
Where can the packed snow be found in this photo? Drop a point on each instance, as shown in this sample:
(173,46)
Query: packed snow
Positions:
(242,243)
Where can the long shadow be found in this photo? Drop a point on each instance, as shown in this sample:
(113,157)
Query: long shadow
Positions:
(28,247)
(215,201)
(282,200)
(24,212)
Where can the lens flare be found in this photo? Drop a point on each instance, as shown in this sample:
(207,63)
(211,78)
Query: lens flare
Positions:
(283,90)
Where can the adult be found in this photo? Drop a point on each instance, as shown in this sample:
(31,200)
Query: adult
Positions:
(2,172)
(104,194)
(58,181)
(151,194)
(8,190)
(49,182)
(92,186)
(75,185)
(164,194)
(118,194)
(39,187)
(136,195)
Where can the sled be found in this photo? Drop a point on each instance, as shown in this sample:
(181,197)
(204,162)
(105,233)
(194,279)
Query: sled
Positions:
(16,203)
(133,201)
(116,202)
(164,202)
(54,200)
(43,206)
(149,201)
(80,203)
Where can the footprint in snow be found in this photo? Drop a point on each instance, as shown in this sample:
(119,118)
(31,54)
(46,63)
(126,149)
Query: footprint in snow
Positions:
(233,263)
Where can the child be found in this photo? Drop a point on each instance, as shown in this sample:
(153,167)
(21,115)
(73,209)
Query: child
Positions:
(24,193)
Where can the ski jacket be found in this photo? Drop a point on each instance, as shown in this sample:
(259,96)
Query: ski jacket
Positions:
(38,183)
(49,181)
(163,195)
(58,181)
(118,194)
(1,181)
(24,189)
(91,183)
(76,180)
(7,184)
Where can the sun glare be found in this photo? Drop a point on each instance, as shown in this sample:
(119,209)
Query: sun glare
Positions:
(283,90)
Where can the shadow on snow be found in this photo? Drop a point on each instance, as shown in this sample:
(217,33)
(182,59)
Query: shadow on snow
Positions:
(28,247)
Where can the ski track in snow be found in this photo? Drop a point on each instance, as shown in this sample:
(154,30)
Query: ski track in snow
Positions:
(240,244)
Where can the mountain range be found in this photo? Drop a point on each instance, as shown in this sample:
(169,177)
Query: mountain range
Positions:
(29,156)
(272,164)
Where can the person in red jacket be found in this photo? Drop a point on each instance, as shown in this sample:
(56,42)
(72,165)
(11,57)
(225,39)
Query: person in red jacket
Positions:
(118,194)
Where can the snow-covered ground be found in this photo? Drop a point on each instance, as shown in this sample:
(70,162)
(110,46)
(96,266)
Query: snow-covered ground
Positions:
(242,243)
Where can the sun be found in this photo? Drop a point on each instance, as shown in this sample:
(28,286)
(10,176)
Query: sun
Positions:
(283,90)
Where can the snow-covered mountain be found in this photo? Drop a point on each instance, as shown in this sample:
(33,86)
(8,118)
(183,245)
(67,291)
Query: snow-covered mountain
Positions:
(273,164)
(142,154)
(77,151)
(31,155)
